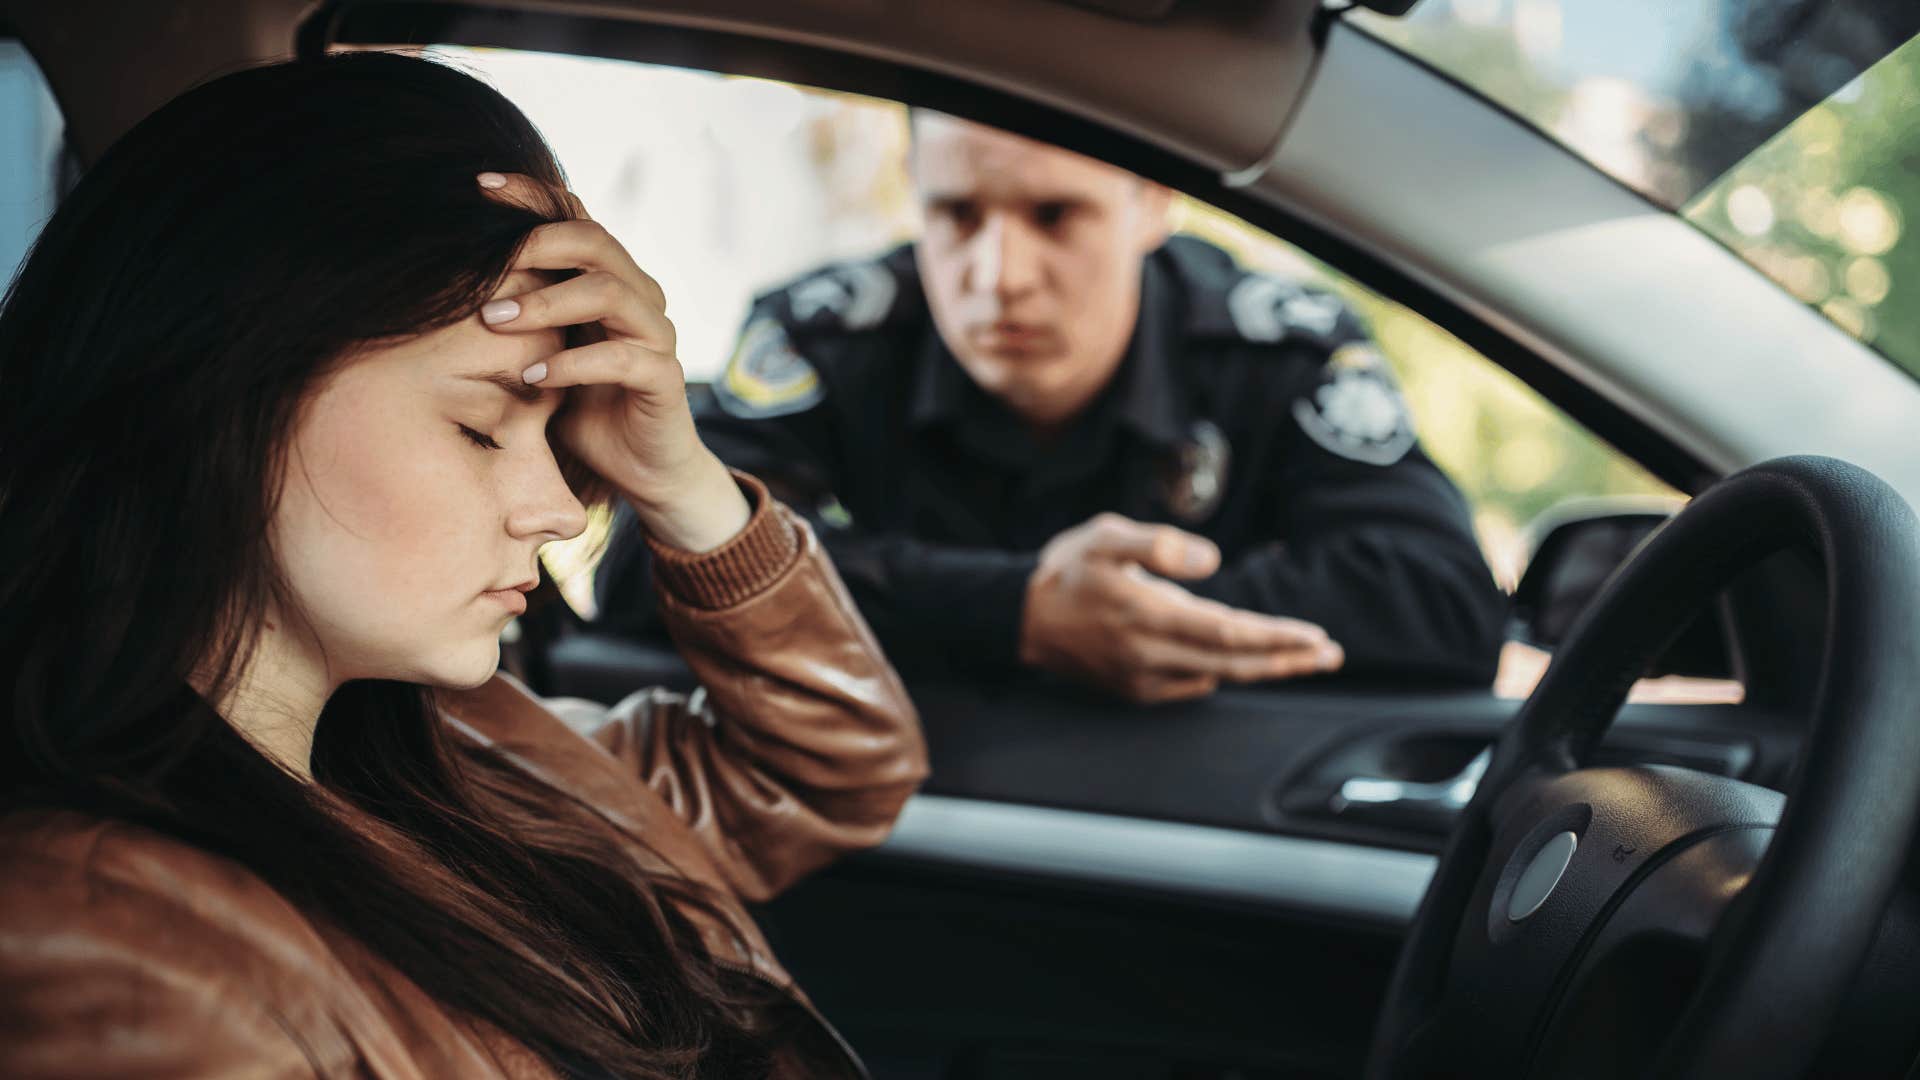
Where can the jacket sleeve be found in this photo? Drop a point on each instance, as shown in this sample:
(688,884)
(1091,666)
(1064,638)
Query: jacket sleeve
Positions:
(102,977)
(1386,561)
(801,743)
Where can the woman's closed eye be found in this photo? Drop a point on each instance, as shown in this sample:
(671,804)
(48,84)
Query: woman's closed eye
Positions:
(480,439)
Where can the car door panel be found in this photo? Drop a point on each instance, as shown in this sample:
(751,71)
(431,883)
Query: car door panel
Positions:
(1240,759)
(1086,888)
(938,971)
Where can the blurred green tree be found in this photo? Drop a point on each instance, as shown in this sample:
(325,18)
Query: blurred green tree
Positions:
(1823,207)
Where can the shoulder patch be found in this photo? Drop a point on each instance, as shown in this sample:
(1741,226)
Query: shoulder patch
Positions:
(852,296)
(767,376)
(1267,309)
(1355,410)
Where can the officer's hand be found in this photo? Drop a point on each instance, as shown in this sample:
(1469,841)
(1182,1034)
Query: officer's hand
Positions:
(1096,611)
(628,418)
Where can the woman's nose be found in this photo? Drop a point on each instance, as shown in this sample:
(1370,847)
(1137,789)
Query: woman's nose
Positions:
(546,509)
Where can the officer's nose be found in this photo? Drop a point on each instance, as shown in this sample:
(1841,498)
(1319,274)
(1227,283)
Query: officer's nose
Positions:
(1005,257)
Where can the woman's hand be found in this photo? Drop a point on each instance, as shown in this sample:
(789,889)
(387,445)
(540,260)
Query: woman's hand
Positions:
(628,418)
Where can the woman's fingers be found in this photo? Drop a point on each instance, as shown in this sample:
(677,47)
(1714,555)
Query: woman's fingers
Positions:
(611,363)
(579,243)
(531,194)
(594,297)
(627,418)
(586,245)
(612,290)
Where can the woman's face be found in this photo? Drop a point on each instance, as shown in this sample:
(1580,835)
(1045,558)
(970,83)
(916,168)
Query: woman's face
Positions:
(419,489)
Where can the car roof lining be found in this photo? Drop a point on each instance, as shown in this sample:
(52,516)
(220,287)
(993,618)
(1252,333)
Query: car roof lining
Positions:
(1217,79)
(743,54)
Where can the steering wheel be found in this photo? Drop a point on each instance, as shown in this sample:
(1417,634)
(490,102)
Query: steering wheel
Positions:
(1657,920)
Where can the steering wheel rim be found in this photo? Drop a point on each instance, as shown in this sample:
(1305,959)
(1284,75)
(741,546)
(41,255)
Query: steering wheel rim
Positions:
(1837,851)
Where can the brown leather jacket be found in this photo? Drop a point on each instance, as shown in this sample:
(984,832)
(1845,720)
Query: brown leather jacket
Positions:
(124,953)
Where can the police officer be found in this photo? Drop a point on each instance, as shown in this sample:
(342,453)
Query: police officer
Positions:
(1017,434)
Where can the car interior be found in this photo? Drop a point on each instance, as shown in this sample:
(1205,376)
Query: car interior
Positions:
(1337,877)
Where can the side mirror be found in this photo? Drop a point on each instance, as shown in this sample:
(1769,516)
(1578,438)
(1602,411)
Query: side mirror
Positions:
(1575,548)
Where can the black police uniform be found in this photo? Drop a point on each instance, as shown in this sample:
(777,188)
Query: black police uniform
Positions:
(1247,409)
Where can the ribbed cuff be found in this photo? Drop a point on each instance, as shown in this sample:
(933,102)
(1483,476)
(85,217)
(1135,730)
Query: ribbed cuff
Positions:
(736,570)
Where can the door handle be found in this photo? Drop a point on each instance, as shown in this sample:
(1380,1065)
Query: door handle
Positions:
(1451,794)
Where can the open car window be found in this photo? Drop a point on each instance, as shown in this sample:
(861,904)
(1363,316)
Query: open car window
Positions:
(726,186)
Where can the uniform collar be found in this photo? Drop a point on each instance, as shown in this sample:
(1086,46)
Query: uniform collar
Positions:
(942,391)
(1150,399)
(1143,396)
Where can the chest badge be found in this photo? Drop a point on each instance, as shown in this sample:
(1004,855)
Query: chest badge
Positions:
(1195,480)
(1356,411)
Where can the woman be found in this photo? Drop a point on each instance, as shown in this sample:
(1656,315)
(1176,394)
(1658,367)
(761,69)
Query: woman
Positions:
(298,380)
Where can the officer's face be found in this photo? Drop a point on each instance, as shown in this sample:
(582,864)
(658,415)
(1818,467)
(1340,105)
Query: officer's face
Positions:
(1031,262)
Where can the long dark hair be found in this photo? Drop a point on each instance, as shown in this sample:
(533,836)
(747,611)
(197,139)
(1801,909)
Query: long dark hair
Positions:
(154,353)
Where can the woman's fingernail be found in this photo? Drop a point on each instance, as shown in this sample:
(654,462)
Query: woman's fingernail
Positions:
(535,373)
(499,311)
(493,180)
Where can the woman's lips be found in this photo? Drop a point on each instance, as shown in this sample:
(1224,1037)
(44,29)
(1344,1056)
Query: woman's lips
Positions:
(513,599)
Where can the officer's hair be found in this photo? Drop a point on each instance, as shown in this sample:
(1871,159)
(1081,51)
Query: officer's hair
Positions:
(915,112)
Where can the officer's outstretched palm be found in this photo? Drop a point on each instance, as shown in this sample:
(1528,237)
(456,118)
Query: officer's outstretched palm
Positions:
(1099,609)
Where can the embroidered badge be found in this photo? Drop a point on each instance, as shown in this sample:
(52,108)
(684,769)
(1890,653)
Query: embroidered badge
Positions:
(767,376)
(1195,481)
(1267,309)
(1356,411)
(855,295)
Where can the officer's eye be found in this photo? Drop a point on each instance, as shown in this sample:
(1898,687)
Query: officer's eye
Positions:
(1052,215)
(964,214)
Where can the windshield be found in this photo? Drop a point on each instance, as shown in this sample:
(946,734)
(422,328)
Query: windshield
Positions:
(1826,208)
(1665,95)
(1780,127)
